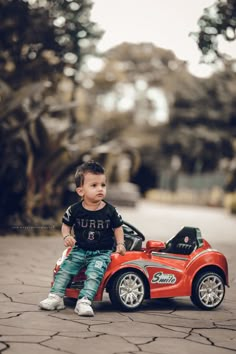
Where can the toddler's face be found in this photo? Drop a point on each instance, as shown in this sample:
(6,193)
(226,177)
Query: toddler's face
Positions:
(94,187)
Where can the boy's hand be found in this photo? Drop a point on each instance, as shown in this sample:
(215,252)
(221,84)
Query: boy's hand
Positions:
(120,248)
(69,241)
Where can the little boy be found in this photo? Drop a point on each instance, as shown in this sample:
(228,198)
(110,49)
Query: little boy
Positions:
(95,224)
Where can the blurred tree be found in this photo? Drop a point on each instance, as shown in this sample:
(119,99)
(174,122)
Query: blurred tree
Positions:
(42,39)
(122,85)
(199,125)
(200,149)
(41,42)
(218,20)
(203,122)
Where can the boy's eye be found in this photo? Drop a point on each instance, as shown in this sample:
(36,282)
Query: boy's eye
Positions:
(95,185)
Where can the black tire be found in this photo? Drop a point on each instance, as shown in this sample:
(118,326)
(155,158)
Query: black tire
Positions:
(127,291)
(208,290)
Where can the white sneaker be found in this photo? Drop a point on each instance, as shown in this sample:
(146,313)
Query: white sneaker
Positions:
(83,307)
(53,302)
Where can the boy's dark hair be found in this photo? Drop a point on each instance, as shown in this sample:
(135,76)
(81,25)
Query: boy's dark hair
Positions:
(90,166)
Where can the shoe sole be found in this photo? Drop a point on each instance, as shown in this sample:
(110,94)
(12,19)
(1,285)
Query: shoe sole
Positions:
(85,314)
(57,307)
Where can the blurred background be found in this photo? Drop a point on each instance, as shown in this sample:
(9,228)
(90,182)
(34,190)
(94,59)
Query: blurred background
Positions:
(146,88)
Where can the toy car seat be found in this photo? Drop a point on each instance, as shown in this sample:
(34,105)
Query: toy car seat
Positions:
(184,242)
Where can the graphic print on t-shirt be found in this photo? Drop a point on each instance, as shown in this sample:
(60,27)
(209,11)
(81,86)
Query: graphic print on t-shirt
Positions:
(93,224)
(91,235)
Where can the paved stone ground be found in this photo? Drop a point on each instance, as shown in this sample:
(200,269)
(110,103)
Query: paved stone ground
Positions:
(162,326)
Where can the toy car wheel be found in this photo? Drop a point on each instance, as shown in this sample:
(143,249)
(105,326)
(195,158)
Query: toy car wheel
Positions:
(127,291)
(208,290)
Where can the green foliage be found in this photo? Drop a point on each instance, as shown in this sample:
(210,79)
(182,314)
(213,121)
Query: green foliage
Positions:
(200,149)
(40,43)
(201,126)
(217,20)
(43,38)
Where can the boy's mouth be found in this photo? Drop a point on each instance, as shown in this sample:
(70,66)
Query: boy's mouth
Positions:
(100,195)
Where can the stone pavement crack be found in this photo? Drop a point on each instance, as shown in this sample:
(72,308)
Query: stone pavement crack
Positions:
(8,317)
(97,324)
(141,343)
(56,349)
(169,328)
(7,296)
(126,316)
(79,320)
(35,285)
(97,335)
(42,343)
(65,319)
(211,343)
(5,346)
(227,328)
(207,339)
(23,303)
(61,334)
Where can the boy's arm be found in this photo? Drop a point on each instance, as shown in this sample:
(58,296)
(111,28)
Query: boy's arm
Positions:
(69,240)
(120,243)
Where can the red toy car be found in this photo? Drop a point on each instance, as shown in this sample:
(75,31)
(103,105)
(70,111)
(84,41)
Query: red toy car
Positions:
(186,265)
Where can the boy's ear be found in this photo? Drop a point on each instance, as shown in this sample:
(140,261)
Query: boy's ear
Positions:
(79,191)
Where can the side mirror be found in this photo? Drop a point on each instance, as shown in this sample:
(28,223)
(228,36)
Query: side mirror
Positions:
(155,246)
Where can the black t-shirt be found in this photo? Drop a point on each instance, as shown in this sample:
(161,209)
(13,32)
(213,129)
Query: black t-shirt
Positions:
(93,229)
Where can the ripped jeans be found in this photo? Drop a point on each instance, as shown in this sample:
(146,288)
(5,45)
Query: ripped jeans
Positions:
(96,263)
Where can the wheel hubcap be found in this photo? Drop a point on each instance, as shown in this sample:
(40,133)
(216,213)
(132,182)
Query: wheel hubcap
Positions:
(131,290)
(211,291)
